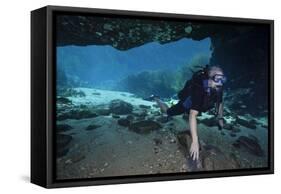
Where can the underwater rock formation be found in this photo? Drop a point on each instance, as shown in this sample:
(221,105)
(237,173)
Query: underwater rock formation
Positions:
(249,124)
(120,107)
(115,116)
(124,33)
(232,128)
(92,127)
(124,122)
(250,144)
(144,127)
(130,117)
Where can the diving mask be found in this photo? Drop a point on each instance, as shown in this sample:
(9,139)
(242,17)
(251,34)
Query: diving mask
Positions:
(219,78)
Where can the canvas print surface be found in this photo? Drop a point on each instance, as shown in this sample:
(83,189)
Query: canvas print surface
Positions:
(145,96)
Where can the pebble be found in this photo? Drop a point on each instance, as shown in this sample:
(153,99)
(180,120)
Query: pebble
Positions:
(69,161)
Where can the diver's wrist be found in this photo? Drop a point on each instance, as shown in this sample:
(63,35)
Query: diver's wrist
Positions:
(195,140)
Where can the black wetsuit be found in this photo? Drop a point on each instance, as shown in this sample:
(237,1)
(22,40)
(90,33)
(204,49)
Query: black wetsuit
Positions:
(196,96)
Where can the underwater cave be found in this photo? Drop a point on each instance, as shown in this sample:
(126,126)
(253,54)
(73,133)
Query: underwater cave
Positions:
(107,69)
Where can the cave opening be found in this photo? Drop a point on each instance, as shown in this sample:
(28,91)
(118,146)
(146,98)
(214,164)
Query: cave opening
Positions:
(105,67)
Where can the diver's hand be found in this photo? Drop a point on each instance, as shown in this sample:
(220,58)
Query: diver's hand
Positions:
(220,123)
(194,150)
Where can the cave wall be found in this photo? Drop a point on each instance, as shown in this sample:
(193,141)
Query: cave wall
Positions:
(245,59)
(243,54)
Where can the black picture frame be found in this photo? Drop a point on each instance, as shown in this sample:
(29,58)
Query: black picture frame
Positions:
(43,76)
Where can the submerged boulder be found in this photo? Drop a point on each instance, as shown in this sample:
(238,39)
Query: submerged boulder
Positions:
(249,144)
(232,128)
(124,122)
(92,127)
(145,126)
(120,107)
(228,126)
(115,116)
(249,124)
(130,117)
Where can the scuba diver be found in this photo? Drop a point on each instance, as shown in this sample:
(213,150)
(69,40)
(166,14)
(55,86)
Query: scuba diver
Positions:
(200,94)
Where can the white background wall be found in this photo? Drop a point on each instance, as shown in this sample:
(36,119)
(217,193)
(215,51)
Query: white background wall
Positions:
(15,94)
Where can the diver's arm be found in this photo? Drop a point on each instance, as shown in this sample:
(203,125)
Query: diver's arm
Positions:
(194,148)
(220,115)
(220,111)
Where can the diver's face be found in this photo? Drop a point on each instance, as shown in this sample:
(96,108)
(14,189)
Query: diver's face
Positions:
(217,79)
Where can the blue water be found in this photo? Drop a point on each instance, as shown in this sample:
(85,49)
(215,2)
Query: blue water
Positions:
(97,64)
